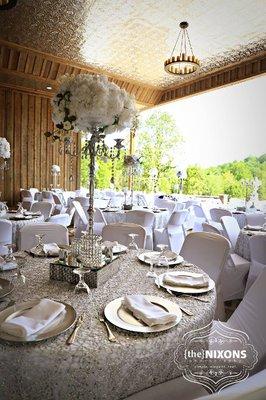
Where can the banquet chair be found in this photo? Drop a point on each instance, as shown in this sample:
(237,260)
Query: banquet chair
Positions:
(200,217)
(173,234)
(64,219)
(256,219)
(217,213)
(45,208)
(84,201)
(257,246)
(231,229)
(54,233)
(141,200)
(27,198)
(5,231)
(47,196)
(120,231)
(209,251)
(80,218)
(234,275)
(252,388)
(146,220)
(179,206)
(99,221)
(210,228)
(59,206)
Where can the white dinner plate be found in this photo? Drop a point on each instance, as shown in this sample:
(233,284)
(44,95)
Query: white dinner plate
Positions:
(120,248)
(6,287)
(178,260)
(124,319)
(63,322)
(182,289)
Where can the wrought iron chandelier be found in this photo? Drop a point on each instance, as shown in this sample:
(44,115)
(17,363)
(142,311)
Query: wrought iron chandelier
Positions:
(184,62)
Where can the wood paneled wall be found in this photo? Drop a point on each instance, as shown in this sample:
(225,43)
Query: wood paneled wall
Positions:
(24,117)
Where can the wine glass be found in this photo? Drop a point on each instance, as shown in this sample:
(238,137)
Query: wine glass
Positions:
(151,259)
(20,261)
(133,245)
(9,257)
(5,206)
(82,285)
(163,260)
(39,247)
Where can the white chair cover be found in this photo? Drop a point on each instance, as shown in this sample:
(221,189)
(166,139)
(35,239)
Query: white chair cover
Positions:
(234,277)
(256,219)
(84,201)
(99,221)
(210,228)
(47,196)
(258,258)
(231,229)
(81,220)
(145,219)
(250,316)
(44,207)
(253,388)
(200,217)
(217,213)
(54,233)
(173,234)
(120,232)
(209,251)
(61,219)
(5,232)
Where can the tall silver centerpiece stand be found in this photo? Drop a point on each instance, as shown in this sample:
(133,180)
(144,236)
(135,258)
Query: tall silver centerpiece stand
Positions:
(92,105)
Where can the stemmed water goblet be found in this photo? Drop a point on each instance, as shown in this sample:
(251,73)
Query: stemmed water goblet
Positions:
(151,259)
(39,246)
(163,260)
(20,258)
(133,245)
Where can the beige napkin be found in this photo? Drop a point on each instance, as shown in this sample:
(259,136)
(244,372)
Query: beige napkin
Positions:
(109,244)
(34,319)
(147,312)
(51,249)
(196,281)
(170,255)
(253,227)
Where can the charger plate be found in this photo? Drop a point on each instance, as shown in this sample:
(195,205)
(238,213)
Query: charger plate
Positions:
(6,287)
(124,319)
(178,260)
(120,248)
(182,289)
(61,324)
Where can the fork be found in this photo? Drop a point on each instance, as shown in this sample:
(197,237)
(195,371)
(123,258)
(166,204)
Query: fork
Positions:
(111,336)
(185,310)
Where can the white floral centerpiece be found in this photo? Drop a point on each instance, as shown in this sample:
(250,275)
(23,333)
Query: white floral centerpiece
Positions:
(93,105)
(4,148)
(55,169)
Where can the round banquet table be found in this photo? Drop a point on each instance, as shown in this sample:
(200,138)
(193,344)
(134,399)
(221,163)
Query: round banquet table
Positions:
(18,224)
(94,368)
(161,218)
(242,247)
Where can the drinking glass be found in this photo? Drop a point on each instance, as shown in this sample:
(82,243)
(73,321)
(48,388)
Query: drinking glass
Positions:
(9,257)
(39,247)
(163,260)
(5,206)
(151,259)
(133,245)
(82,285)
(20,261)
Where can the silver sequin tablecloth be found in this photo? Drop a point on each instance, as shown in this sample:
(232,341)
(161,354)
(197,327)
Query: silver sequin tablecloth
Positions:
(161,218)
(94,368)
(18,224)
(242,247)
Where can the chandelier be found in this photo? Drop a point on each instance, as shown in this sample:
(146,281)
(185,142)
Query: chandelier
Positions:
(184,62)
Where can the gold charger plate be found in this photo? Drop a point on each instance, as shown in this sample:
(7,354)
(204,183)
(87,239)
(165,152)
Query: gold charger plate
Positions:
(182,289)
(124,319)
(178,260)
(61,324)
(6,287)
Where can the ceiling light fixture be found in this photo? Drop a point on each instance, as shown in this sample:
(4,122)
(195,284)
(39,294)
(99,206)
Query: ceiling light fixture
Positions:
(7,4)
(184,62)
(49,87)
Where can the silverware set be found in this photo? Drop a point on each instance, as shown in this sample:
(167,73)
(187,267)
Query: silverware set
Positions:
(71,339)
(111,336)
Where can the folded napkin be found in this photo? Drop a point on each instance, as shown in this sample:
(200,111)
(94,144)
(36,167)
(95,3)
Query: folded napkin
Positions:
(196,281)
(254,227)
(147,312)
(170,255)
(51,249)
(7,266)
(34,319)
(109,244)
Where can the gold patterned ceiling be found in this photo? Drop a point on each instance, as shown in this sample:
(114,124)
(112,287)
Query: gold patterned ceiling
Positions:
(132,38)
